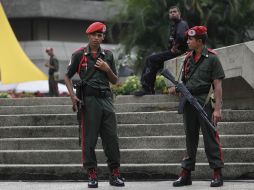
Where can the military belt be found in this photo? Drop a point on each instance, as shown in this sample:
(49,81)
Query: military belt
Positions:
(199,91)
(99,93)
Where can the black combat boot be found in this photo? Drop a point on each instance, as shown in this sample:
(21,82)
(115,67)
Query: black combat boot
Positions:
(217,180)
(115,179)
(184,179)
(92,178)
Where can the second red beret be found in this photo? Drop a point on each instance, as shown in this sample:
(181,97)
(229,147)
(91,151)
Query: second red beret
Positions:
(196,31)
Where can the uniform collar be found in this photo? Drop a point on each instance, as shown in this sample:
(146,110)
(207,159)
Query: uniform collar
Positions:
(204,52)
(88,50)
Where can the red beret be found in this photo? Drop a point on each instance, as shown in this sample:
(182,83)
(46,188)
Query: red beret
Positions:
(196,31)
(96,27)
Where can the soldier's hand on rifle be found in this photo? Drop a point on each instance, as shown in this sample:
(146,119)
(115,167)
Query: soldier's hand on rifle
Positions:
(102,65)
(74,100)
(216,117)
(172,90)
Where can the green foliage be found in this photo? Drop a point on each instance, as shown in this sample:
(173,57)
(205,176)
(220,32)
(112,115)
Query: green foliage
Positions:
(4,95)
(130,85)
(144,23)
(116,89)
(160,84)
(228,21)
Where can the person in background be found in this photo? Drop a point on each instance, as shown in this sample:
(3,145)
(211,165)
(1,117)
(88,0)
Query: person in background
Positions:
(176,46)
(53,69)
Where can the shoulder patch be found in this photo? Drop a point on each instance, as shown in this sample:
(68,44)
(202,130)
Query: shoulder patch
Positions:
(212,51)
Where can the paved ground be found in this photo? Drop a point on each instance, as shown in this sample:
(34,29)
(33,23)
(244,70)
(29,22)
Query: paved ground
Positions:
(149,185)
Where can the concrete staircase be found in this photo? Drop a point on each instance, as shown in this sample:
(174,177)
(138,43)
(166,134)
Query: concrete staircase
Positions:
(39,140)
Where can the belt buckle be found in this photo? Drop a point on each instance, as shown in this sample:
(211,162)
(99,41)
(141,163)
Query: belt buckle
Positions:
(102,93)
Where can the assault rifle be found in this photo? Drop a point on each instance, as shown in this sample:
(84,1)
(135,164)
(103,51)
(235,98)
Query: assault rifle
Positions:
(187,96)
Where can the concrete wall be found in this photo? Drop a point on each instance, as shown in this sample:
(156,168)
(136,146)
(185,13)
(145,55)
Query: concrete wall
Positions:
(49,29)
(238,63)
(56,20)
(77,9)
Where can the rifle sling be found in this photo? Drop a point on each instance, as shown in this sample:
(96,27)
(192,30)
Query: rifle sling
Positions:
(194,70)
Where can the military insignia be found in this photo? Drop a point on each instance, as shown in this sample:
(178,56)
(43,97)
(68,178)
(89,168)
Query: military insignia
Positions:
(191,32)
(104,29)
(69,63)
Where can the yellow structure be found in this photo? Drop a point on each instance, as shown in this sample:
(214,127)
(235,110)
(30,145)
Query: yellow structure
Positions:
(15,66)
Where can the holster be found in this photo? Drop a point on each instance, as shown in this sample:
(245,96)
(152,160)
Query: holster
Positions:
(80,105)
(79,112)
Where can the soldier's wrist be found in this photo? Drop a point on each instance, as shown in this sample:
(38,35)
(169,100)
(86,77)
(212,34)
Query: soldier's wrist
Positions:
(217,108)
(108,70)
(170,86)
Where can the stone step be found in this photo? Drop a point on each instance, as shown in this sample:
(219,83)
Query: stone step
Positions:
(146,99)
(128,156)
(67,100)
(35,101)
(147,142)
(160,171)
(122,118)
(124,130)
(67,109)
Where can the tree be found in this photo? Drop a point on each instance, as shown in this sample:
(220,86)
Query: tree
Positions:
(144,23)
(228,21)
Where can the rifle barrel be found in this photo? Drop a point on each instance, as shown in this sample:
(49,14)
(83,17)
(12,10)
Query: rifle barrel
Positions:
(186,93)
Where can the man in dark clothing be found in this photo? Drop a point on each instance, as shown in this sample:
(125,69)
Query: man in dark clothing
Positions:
(176,46)
(202,73)
(96,69)
(53,68)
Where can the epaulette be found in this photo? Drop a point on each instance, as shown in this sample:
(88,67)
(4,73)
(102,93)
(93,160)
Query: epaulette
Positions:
(80,49)
(105,51)
(212,51)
